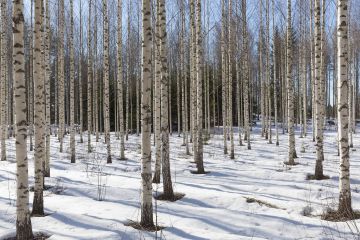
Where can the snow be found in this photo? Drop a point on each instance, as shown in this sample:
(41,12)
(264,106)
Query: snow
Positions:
(214,206)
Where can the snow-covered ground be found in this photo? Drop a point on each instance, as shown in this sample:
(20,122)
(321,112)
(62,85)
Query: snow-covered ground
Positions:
(214,206)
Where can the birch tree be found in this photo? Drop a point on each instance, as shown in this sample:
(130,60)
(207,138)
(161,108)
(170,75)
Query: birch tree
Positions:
(183,77)
(3,79)
(275,72)
(128,73)
(89,82)
(246,74)
(230,82)
(268,77)
(290,89)
(165,158)
(344,207)
(30,82)
(223,73)
(96,81)
(120,93)
(23,221)
(198,157)
(61,73)
(106,82)
(262,82)
(72,84)
(320,91)
(81,97)
(193,92)
(304,72)
(47,89)
(38,203)
(157,96)
(146,196)
(312,69)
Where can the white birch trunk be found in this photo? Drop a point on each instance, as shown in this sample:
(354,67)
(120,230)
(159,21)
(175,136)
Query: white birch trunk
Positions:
(89,78)
(72,85)
(290,90)
(199,67)
(146,196)
(3,79)
(343,108)
(23,221)
(47,90)
(120,92)
(320,87)
(230,83)
(157,84)
(81,97)
(106,82)
(223,75)
(38,203)
(61,97)
(165,159)
(246,75)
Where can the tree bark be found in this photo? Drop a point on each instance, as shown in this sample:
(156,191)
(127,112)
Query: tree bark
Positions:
(47,90)
(165,159)
(72,85)
(320,84)
(120,91)
(23,221)
(146,196)
(81,97)
(106,82)
(223,75)
(157,40)
(290,90)
(246,74)
(3,105)
(343,108)
(61,96)
(38,203)
(199,67)
(230,82)
(89,80)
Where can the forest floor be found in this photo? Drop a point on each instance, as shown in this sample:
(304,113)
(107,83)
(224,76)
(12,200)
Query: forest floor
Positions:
(255,196)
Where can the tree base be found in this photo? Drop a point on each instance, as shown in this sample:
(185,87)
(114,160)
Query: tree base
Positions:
(45,187)
(40,215)
(142,227)
(197,172)
(36,236)
(156,179)
(340,216)
(174,198)
(109,159)
(291,163)
(313,177)
(72,159)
